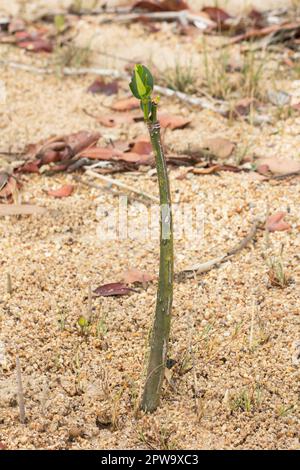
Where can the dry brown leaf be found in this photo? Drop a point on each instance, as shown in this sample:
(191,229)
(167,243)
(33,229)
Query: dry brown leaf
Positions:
(173,122)
(142,147)
(126,104)
(100,153)
(216,14)
(221,148)
(106,88)
(64,191)
(275,223)
(161,5)
(9,187)
(278,166)
(132,157)
(135,275)
(114,288)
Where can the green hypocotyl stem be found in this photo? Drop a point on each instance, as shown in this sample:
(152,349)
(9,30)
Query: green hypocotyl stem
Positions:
(162,321)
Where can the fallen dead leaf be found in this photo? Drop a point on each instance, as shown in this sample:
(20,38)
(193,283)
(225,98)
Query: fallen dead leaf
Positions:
(160,5)
(216,14)
(8,188)
(64,191)
(114,288)
(100,153)
(126,104)
(37,45)
(279,166)
(135,275)
(30,167)
(142,147)
(100,86)
(275,223)
(173,122)
(221,148)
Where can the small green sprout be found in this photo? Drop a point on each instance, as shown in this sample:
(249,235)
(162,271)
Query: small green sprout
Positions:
(83,324)
(142,86)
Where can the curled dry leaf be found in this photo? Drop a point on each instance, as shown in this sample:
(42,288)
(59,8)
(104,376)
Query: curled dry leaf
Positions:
(173,122)
(242,108)
(30,167)
(135,275)
(100,86)
(37,45)
(141,147)
(57,149)
(215,168)
(126,104)
(8,188)
(221,148)
(278,166)
(114,288)
(100,153)
(161,5)
(275,223)
(64,191)
(218,15)
(33,42)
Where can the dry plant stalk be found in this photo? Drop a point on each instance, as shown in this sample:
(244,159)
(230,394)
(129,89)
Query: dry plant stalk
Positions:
(21,400)
(142,86)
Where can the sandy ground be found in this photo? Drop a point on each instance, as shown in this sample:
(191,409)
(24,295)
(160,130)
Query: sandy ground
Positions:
(81,392)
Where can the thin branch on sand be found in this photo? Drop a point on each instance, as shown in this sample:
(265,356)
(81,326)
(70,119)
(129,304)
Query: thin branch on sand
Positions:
(106,179)
(114,192)
(21,400)
(208,265)
(184,17)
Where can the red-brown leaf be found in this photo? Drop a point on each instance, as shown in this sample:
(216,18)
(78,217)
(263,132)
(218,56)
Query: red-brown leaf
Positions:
(30,167)
(37,45)
(280,166)
(100,86)
(173,122)
(132,157)
(142,147)
(220,147)
(100,153)
(126,104)
(64,191)
(82,140)
(275,222)
(218,15)
(114,288)
(161,5)
(135,275)
(9,187)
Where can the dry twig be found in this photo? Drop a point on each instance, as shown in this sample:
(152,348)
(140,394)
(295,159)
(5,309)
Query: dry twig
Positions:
(208,265)
(106,179)
(21,400)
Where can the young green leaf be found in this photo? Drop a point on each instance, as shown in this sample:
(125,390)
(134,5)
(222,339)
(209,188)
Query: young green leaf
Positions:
(141,84)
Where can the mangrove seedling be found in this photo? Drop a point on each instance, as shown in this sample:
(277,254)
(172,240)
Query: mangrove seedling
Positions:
(141,86)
